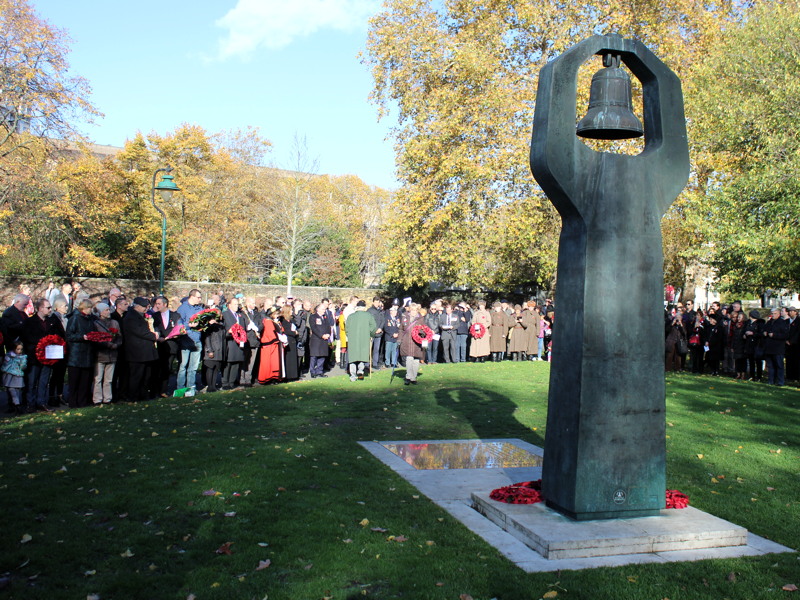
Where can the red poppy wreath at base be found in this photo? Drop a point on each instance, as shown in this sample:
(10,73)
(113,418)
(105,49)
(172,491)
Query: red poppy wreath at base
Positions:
(421,333)
(48,340)
(477,330)
(530,492)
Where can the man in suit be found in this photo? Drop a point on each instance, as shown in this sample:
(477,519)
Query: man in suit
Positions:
(164,321)
(253,318)
(140,349)
(449,325)
(234,351)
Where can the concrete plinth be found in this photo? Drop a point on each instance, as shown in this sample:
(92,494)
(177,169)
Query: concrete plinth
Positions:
(555,536)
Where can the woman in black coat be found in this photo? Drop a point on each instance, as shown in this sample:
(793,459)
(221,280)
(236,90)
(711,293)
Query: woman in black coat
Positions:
(716,342)
(80,361)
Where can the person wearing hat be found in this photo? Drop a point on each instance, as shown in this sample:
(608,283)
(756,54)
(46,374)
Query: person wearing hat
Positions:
(140,349)
(361,328)
(500,324)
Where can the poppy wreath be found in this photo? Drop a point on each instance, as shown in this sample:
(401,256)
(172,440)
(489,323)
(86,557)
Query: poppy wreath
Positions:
(421,333)
(48,340)
(99,336)
(526,492)
(200,320)
(530,492)
(477,330)
(238,333)
(676,499)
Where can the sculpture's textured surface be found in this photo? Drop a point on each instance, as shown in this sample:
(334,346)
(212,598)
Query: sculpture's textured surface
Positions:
(605,448)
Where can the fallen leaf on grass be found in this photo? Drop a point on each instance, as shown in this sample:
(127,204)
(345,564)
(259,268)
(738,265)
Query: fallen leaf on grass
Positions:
(465,597)
(348,541)
(127,553)
(789,587)
(225,549)
(211,492)
(230,514)
(731,577)
(700,456)
(550,594)
(26,538)
(378,529)
(263,564)
(770,489)
(364,522)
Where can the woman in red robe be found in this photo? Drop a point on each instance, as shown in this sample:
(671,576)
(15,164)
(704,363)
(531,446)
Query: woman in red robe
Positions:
(271,368)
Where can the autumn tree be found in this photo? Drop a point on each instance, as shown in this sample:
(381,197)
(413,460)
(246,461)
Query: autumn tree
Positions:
(39,102)
(744,98)
(461,77)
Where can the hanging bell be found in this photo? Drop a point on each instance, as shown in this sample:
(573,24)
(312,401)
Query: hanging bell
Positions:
(610,115)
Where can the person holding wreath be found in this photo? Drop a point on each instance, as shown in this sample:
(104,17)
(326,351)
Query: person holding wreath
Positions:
(40,325)
(235,341)
(479,330)
(413,333)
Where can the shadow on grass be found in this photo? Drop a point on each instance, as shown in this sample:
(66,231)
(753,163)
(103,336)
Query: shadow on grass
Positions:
(490,413)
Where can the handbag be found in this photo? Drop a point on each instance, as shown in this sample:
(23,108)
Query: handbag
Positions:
(682,346)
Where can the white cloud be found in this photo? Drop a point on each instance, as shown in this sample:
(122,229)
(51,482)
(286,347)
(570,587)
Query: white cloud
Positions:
(276,23)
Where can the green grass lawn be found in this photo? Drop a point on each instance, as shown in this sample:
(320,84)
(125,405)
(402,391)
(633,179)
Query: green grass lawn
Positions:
(139,501)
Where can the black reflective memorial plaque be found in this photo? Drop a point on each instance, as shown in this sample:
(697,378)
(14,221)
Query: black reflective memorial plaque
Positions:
(605,449)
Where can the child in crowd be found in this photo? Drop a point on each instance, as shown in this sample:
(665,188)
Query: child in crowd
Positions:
(14,365)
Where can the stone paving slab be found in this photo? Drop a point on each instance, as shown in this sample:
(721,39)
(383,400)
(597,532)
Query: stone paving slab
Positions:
(453,490)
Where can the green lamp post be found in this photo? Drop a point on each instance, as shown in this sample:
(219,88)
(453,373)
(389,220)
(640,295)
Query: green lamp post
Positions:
(165,187)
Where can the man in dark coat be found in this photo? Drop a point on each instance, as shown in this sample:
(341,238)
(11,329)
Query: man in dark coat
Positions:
(776,332)
(164,321)
(376,310)
(13,318)
(793,346)
(234,351)
(38,326)
(462,331)
(449,324)
(253,318)
(140,349)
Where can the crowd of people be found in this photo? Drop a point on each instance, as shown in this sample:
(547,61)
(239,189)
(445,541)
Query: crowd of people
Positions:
(726,340)
(65,349)
(129,349)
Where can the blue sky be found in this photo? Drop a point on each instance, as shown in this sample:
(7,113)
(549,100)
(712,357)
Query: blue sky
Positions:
(285,66)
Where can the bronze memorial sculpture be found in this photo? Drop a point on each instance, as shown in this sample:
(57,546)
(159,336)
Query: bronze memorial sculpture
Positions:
(605,445)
